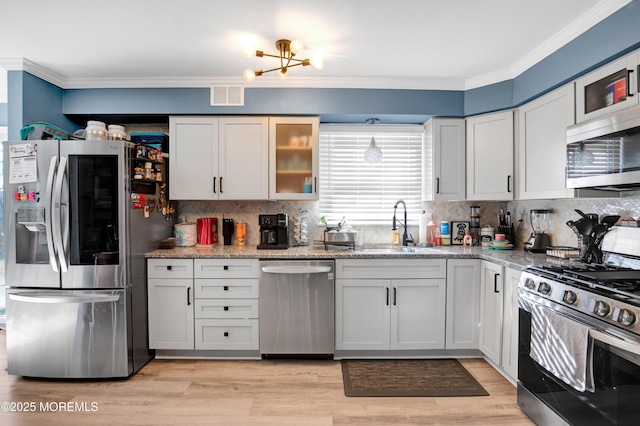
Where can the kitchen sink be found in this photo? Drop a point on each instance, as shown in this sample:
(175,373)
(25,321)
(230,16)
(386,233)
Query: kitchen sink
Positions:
(382,250)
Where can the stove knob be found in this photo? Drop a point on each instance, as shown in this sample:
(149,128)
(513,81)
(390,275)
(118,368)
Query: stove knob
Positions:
(624,316)
(570,297)
(530,284)
(544,288)
(601,309)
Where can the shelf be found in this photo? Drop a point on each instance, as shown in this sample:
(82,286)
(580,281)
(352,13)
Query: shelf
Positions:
(147,181)
(147,160)
(294,172)
(293,148)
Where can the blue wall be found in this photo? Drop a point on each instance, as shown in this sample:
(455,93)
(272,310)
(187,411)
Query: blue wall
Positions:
(33,99)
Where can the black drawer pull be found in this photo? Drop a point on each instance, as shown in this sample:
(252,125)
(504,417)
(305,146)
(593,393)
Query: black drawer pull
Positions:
(226,334)
(226,308)
(225,288)
(168,267)
(225,267)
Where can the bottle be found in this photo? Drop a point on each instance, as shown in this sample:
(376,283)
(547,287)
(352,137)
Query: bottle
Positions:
(396,237)
(444,228)
(431,233)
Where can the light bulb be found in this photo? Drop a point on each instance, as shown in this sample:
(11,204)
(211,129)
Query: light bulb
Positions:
(282,73)
(249,75)
(317,61)
(248,52)
(295,47)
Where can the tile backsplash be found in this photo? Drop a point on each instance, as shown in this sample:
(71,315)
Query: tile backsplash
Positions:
(561,211)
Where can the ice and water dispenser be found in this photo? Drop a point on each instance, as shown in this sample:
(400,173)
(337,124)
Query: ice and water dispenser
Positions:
(31,237)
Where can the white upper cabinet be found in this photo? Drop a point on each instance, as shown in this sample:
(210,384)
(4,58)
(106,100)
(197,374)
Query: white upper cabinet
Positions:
(541,145)
(444,154)
(193,159)
(610,88)
(218,158)
(293,158)
(490,156)
(243,158)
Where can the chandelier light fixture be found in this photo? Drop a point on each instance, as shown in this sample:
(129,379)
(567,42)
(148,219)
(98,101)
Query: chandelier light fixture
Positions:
(287,49)
(373,153)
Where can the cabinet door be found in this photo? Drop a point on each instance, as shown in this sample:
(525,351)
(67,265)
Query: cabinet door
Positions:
(293,158)
(170,313)
(362,314)
(417,314)
(610,88)
(490,157)
(449,170)
(244,158)
(463,303)
(510,323)
(491,311)
(193,162)
(542,145)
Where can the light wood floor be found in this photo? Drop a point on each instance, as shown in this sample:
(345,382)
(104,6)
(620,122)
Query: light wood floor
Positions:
(257,392)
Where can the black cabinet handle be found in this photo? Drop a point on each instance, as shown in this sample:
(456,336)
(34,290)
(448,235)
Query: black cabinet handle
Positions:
(226,308)
(629,72)
(168,267)
(509,183)
(387,288)
(225,288)
(188,296)
(315,185)
(437,185)
(214,184)
(395,296)
(221,184)
(495,283)
(225,267)
(226,334)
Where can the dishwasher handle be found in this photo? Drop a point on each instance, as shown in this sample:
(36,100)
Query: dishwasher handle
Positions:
(291,269)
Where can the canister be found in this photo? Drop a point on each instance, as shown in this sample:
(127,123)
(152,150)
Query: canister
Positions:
(186,234)
(486,235)
(444,228)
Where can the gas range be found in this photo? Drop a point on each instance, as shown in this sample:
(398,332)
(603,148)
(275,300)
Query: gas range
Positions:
(611,295)
(609,292)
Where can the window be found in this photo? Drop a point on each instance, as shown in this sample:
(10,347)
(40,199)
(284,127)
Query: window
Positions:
(366,193)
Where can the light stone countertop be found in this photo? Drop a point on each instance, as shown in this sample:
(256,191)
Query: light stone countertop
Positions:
(516,258)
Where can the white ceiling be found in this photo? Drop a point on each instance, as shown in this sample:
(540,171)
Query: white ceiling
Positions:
(452,44)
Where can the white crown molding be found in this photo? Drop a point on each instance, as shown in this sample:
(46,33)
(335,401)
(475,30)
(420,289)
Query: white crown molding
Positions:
(602,10)
(584,22)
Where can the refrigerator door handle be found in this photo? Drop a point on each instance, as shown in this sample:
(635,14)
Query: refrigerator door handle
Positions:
(53,260)
(57,223)
(55,299)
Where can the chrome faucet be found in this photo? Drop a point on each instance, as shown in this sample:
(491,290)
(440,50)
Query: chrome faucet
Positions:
(406,238)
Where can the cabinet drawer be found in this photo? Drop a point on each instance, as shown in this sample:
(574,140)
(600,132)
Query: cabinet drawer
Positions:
(226,289)
(227,308)
(226,268)
(170,268)
(227,334)
(391,268)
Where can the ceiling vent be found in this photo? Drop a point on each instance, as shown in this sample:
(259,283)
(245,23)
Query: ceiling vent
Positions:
(227,95)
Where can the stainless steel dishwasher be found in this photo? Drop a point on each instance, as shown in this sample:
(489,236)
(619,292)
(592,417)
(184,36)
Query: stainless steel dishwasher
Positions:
(296,308)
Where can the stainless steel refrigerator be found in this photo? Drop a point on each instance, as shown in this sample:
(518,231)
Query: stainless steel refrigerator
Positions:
(74,260)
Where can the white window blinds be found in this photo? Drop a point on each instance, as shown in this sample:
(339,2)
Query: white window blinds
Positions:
(366,193)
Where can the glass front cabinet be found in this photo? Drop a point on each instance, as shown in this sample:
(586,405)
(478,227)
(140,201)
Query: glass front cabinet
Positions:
(293,157)
(610,88)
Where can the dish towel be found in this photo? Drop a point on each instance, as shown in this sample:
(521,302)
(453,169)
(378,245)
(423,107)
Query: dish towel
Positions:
(562,346)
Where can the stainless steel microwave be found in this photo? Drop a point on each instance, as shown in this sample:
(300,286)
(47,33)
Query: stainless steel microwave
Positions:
(604,153)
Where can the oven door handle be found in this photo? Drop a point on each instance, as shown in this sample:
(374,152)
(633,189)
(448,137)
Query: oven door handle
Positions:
(615,342)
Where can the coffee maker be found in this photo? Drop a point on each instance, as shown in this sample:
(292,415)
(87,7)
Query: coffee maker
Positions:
(274,231)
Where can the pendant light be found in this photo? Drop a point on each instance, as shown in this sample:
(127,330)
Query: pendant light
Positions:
(373,153)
